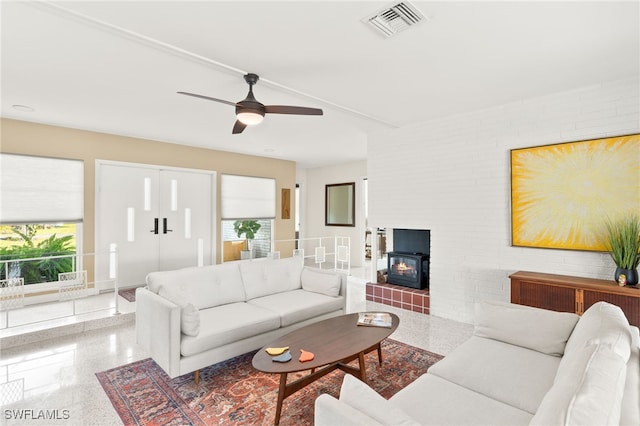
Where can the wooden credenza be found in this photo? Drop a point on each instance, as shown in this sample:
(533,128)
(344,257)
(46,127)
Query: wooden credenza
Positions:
(572,294)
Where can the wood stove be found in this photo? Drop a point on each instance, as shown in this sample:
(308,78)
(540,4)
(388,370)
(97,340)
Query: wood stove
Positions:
(408,263)
(408,269)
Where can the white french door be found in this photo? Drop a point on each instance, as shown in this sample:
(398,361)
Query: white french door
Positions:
(160,218)
(185,219)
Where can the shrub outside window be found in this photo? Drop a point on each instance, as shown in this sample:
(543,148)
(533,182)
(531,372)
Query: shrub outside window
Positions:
(53,244)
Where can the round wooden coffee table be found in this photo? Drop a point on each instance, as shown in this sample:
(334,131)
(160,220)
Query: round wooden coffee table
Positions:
(334,342)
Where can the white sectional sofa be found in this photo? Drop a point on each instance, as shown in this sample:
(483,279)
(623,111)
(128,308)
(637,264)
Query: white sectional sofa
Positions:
(195,317)
(522,366)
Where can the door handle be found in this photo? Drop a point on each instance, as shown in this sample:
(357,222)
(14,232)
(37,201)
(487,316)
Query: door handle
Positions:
(155,226)
(164,226)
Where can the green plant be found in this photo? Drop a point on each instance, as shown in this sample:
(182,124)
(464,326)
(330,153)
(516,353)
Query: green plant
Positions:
(623,241)
(247,227)
(41,270)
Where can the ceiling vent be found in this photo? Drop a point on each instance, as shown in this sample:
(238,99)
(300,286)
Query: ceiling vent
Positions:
(393,19)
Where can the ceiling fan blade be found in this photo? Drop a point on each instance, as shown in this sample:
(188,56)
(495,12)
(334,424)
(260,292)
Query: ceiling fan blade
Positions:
(208,98)
(286,109)
(238,127)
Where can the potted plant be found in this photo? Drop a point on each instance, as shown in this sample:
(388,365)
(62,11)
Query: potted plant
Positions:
(623,243)
(248,228)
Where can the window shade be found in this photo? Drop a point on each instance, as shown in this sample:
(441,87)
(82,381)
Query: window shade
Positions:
(245,197)
(40,190)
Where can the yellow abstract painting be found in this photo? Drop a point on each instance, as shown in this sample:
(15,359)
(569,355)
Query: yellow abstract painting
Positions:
(563,194)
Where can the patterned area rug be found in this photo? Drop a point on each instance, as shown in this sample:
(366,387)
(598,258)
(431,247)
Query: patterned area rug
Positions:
(232,392)
(128,294)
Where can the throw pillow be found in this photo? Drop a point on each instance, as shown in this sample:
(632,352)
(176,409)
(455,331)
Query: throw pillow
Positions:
(190,320)
(533,328)
(189,314)
(361,397)
(321,282)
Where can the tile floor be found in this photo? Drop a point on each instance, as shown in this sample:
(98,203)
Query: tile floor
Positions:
(58,374)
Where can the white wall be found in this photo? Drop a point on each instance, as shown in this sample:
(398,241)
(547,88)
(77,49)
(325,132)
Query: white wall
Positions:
(452,176)
(312,185)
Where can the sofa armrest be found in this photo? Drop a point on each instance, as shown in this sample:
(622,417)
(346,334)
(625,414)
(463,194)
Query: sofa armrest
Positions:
(158,329)
(330,412)
(630,413)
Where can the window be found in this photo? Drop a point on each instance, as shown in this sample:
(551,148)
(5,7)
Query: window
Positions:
(234,245)
(248,206)
(40,189)
(41,215)
(245,197)
(54,245)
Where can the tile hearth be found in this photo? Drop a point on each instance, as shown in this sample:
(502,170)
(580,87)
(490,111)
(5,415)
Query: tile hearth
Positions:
(397,296)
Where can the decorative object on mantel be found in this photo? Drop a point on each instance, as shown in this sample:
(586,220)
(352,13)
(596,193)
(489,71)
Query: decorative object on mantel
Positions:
(623,243)
(248,228)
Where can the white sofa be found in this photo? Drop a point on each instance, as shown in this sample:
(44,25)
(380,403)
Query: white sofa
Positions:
(522,366)
(195,317)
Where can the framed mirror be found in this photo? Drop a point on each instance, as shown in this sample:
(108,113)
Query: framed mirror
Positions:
(340,204)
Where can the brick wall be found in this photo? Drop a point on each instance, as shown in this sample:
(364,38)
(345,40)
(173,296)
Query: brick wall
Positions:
(452,176)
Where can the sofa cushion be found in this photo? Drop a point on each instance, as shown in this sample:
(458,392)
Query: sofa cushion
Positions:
(298,305)
(323,282)
(630,413)
(228,323)
(204,286)
(602,324)
(189,314)
(587,391)
(361,397)
(264,277)
(511,374)
(511,323)
(435,401)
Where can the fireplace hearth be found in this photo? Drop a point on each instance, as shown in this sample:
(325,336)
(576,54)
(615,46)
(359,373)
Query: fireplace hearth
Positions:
(401,297)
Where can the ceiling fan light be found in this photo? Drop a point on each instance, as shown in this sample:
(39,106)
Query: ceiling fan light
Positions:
(250,118)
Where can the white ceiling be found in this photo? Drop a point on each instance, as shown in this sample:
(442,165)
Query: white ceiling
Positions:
(115,66)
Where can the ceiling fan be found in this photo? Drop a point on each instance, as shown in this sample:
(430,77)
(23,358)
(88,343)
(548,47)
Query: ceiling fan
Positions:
(249,111)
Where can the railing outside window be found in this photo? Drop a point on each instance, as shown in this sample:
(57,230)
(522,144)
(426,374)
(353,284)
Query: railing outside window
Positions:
(66,296)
